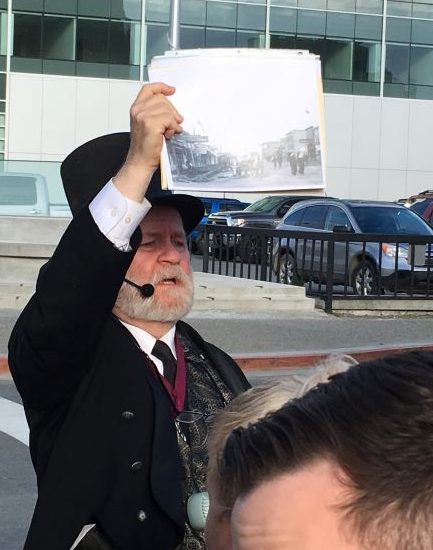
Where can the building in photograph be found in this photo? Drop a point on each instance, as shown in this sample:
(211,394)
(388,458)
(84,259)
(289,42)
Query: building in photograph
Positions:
(70,69)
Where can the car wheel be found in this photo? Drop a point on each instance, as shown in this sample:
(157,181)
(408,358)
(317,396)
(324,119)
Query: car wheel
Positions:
(364,279)
(287,273)
(250,249)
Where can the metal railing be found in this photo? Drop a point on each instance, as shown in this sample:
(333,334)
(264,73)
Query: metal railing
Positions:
(330,265)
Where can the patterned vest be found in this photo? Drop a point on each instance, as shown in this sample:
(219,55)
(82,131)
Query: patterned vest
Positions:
(205,394)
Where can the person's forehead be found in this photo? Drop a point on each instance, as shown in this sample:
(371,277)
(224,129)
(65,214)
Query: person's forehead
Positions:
(292,511)
(160,219)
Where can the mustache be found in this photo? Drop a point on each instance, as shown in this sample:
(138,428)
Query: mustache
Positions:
(171,272)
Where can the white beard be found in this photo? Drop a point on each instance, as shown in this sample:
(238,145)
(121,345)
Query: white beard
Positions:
(135,306)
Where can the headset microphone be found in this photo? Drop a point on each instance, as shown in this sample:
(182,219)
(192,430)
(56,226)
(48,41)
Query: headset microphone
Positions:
(146,290)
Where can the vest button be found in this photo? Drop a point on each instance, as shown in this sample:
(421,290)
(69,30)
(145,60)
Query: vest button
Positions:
(136,466)
(141,515)
(128,415)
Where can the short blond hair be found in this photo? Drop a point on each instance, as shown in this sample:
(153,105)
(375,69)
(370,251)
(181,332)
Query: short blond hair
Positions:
(245,409)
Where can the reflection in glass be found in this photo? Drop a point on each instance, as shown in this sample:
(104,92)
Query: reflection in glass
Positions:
(368,26)
(282,20)
(124,43)
(398,29)
(422,32)
(157,10)
(421,92)
(221,14)
(58,38)
(421,62)
(311,22)
(337,61)
(397,64)
(395,90)
(100,8)
(341,5)
(192,12)
(27,35)
(217,38)
(191,37)
(55,66)
(250,39)
(157,42)
(340,25)
(251,17)
(369,6)
(366,61)
(92,40)
(404,9)
(125,9)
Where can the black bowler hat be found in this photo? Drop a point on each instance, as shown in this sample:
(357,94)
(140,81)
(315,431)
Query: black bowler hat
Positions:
(87,169)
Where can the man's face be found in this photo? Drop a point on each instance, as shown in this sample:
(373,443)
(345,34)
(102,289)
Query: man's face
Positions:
(162,259)
(295,511)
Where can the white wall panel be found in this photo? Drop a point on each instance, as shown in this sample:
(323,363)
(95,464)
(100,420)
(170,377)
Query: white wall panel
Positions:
(338,122)
(394,134)
(392,185)
(92,109)
(25,115)
(418,181)
(420,151)
(364,184)
(59,115)
(366,132)
(338,182)
(376,148)
(121,97)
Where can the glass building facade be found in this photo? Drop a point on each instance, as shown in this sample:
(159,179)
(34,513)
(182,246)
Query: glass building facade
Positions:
(372,51)
(367,47)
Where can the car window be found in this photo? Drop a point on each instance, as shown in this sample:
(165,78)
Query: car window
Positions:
(266,204)
(390,220)
(284,208)
(294,218)
(230,207)
(18,190)
(337,216)
(314,216)
(419,206)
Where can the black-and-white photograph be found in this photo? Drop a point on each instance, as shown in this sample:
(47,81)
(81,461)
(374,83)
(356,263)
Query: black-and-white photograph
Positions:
(253,120)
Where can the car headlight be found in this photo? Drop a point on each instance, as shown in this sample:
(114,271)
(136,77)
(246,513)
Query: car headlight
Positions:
(390,250)
(237,222)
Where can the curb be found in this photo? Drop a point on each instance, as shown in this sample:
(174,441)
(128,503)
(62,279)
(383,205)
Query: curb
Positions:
(295,360)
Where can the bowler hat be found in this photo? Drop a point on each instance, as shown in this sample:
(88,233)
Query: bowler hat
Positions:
(87,169)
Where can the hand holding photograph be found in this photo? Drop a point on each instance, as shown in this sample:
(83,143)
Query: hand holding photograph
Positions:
(253,120)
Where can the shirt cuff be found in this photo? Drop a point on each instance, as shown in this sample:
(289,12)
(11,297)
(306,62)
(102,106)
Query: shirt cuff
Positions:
(117,216)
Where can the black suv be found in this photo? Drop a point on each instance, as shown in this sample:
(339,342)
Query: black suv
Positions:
(267,212)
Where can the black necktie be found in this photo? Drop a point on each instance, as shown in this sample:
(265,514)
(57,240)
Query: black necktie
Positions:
(163,353)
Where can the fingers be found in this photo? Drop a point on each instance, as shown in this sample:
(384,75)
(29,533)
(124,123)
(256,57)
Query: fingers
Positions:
(152,97)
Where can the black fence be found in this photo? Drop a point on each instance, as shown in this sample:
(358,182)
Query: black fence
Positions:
(333,265)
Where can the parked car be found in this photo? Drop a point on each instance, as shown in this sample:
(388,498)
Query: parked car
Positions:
(266,212)
(23,194)
(213,205)
(422,204)
(299,260)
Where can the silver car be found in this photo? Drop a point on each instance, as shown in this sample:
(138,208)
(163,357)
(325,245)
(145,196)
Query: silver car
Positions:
(367,267)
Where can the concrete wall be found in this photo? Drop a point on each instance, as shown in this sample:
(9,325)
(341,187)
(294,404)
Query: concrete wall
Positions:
(376,148)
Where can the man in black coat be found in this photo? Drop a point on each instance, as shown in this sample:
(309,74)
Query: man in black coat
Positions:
(117,390)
